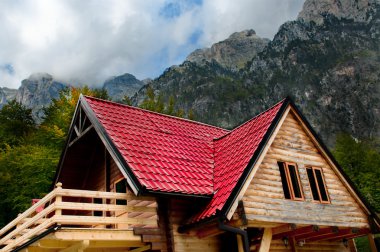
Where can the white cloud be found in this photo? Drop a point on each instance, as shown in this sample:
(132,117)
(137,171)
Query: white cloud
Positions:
(88,41)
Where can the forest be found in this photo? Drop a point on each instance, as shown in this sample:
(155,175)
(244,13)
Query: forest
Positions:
(29,152)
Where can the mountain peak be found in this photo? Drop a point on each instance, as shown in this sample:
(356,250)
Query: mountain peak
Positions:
(232,53)
(356,10)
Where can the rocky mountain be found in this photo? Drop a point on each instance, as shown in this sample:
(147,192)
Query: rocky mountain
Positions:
(37,91)
(232,53)
(123,85)
(328,61)
(7,94)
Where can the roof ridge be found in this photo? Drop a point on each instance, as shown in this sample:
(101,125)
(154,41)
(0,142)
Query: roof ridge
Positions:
(248,121)
(156,113)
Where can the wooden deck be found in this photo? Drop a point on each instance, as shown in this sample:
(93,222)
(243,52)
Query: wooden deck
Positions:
(74,220)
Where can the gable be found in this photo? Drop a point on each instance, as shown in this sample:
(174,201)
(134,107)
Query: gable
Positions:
(264,198)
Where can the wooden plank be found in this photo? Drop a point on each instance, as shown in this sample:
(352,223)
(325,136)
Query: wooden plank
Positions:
(144,248)
(99,220)
(352,245)
(78,247)
(372,243)
(75,234)
(266,240)
(104,207)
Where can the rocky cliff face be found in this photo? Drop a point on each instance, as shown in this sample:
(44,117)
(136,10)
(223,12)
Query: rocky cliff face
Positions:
(123,85)
(7,94)
(232,53)
(356,10)
(327,60)
(37,91)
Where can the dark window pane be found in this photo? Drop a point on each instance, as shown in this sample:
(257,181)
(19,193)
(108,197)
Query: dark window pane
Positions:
(294,179)
(321,185)
(121,187)
(285,185)
(313,185)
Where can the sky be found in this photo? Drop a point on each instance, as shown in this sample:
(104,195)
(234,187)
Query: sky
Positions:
(89,41)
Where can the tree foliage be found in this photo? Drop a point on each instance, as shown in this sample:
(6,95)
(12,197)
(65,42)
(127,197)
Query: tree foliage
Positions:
(26,172)
(30,153)
(361,161)
(156,103)
(16,123)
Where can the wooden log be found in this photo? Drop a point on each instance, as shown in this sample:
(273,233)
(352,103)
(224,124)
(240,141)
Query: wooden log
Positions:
(266,240)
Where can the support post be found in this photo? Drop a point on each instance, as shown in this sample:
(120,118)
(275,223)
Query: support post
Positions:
(352,245)
(58,199)
(372,243)
(240,243)
(266,240)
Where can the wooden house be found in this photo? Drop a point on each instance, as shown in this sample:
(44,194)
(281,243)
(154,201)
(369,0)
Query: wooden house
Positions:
(133,180)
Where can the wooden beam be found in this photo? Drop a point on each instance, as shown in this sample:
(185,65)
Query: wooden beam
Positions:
(342,233)
(372,243)
(240,243)
(352,245)
(145,248)
(297,232)
(283,229)
(94,234)
(293,244)
(77,247)
(353,234)
(320,232)
(266,240)
(80,135)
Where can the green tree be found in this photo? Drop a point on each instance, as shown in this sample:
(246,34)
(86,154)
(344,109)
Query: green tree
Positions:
(126,100)
(16,123)
(58,115)
(26,172)
(361,161)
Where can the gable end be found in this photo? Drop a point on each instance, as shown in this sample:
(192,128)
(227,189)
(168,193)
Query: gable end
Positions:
(108,143)
(232,201)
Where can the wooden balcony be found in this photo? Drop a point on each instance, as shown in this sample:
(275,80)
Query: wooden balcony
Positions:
(74,220)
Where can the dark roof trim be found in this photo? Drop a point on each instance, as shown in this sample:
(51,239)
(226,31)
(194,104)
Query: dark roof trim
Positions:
(178,194)
(110,144)
(373,214)
(243,178)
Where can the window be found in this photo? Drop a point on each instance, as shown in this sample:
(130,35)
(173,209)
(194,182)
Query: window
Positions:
(121,187)
(317,184)
(290,181)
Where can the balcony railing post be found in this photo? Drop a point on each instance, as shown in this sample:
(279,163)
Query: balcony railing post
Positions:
(58,199)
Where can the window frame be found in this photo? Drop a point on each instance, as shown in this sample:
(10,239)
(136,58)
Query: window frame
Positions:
(289,181)
(313,168)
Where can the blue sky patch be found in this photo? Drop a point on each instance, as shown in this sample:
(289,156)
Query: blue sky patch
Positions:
(174,9)
(8,68)
(194,37)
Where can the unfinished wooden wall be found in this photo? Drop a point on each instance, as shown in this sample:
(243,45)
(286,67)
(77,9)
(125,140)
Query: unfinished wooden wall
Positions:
(185,242)
(264,199)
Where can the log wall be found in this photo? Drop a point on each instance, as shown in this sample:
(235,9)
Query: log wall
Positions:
(264,199)
(186,242)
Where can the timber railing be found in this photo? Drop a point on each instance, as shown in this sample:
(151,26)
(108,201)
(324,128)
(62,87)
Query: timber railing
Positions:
(69,208)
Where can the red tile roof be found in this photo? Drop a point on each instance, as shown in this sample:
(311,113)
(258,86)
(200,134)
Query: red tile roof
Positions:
(170,154)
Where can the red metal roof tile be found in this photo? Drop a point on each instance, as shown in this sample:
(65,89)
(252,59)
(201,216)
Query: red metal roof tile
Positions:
(170,154)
